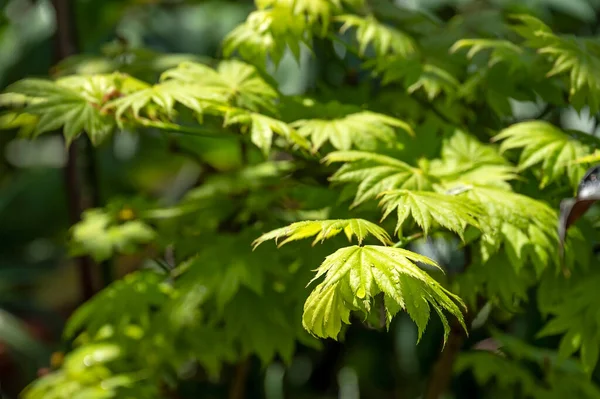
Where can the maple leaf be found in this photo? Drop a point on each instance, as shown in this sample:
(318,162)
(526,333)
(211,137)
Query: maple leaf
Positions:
(324,229)
(354,275)
(375,173)
(360,129)
(428,208)
(547,146)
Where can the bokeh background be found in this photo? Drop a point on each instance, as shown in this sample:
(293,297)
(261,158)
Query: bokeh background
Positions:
(39,284)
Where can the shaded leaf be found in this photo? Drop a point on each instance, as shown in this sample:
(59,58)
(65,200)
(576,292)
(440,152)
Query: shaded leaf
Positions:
(384,39)
(544,145)
(361,129)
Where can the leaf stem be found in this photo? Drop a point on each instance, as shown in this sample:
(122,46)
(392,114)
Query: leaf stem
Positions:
(407,240)
(187,130)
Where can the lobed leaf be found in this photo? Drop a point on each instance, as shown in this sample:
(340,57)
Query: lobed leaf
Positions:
(362,130)
(525,226)
(465,160)
(73,105)
(98,236)
(577,320)
(577,58)
(384,39)
(501,50)
(354,275)
(263,128)
(415,75)
(315,12)
(267,33)
(375,173)
(428,208)
(547,146)
(238,83)
(324,229)
(128,301)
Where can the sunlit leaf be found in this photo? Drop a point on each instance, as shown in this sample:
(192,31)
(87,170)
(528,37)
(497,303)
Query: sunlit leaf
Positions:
(354,275)
(324,229)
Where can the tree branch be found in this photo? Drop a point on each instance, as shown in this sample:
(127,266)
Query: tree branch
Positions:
(441,375)
(238,385)
(65,45)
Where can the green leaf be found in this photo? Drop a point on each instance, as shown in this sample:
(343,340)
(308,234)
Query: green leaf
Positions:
(125,302)
(237,83)
(354,275)
(324,229)
(91,355)
(324,312)
(578,320)
(361,129)
(547,146)
(506,373)
(375,173)
(71,104)
(264,333)
(415,75)
(465,160)
(577,58)
(95,235)
(161,99)
(384,39)
(511,370)
(589,159)
(262,129)
(429,208)
(314,11)
(267,33)
(526,226)
(481,279)
(501,50)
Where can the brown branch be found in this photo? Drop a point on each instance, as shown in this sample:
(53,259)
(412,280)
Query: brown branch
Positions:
(65,46)
(65,43)
(441,375)
(238,385)
(75,207)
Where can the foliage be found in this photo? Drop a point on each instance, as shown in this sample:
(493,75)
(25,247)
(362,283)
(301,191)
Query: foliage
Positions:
(422,132)
(508,368)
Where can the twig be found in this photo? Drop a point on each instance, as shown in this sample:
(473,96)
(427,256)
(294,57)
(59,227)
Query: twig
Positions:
(408,240)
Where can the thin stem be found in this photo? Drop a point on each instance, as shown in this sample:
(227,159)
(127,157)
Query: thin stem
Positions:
(186,130)
(407,240)
(210,133)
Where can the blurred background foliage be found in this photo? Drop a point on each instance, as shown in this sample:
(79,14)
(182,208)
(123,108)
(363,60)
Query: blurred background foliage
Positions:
(39,286)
